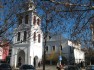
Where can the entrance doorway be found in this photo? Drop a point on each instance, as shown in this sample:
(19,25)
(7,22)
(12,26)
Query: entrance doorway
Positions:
(35,61)
(20,58)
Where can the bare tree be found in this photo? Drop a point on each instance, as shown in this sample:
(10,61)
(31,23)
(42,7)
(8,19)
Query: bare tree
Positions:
(69,17)
(9,11)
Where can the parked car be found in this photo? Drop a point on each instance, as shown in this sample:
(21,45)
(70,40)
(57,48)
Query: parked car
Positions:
(27,67)
(5,66)
(90,67)
(71,67)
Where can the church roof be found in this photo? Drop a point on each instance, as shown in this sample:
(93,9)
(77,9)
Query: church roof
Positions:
(56,38)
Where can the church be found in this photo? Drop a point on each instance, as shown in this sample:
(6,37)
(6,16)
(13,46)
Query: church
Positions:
(28,38)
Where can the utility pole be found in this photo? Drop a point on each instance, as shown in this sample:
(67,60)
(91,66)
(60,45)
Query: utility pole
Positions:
(60,49)
(60,57)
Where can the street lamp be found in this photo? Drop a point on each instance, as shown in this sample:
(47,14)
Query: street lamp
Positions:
(60,57)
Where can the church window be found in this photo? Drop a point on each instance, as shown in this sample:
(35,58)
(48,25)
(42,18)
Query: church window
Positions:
(20,20)
(61,47)
(18,39)
(25,35)
(38,21)
(26,19)
(34,20)
(39,38)
(34,36)
(47,48)
(53,48)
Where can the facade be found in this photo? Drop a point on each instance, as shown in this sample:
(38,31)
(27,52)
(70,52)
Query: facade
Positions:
(59,46)
(4,51)
(54,46)
(27,42)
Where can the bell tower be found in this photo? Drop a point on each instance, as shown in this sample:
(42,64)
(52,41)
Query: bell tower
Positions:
(27,38)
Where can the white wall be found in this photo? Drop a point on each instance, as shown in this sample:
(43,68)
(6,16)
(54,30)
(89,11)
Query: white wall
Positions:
(66,44)
(57,42)
(79,55)
(35,46)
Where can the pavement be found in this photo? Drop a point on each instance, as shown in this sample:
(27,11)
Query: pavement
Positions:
(47,67)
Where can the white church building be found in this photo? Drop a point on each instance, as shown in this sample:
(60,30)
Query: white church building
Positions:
(57,46)
(28,39)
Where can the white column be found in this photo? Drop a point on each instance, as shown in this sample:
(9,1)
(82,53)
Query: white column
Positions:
(15,60)
(12,57)
(29,59)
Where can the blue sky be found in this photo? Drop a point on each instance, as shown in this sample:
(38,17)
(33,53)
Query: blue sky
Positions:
(72,19)
(68,20)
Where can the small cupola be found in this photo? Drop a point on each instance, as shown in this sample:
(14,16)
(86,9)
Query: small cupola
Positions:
(31,5)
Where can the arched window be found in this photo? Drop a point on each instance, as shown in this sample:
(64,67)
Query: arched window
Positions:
(26,19)
(39,38)
(61,47)
(20,20)
(46,48)
(18,38)
(34,20)
(25,35)
(34,36)
(53,48)
(38,21)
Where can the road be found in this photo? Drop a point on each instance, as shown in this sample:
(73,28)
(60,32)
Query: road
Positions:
(47,67)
